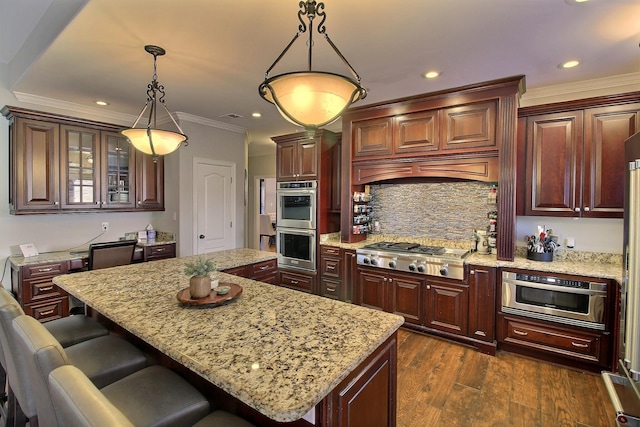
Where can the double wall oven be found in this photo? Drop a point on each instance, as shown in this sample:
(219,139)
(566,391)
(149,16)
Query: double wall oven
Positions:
(296,224)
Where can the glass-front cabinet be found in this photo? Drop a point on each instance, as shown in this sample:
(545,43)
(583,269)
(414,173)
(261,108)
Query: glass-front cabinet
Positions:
(79,161)
(118,164)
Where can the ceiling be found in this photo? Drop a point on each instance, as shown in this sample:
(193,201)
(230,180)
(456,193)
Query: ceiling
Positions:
(79,51)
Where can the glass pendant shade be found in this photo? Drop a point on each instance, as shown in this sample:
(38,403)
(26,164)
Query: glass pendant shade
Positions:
(155,142)
(311,99)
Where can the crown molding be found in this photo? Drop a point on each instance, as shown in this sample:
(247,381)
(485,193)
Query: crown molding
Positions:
(582,89)
(114,116)
(209,122)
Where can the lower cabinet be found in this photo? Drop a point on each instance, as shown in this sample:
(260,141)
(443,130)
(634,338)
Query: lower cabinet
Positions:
(263,271)
(39,297)
(160,251)
(448,306)
(455,309)
(298,280)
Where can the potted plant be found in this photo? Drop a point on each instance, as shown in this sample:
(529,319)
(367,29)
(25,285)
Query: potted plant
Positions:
(198,270)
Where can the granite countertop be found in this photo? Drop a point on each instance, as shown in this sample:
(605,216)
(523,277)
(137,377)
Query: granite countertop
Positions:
(602,265)
(278,350)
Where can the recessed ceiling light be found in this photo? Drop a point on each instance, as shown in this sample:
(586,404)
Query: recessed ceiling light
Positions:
(256,115)
(431,74)
(103,103)
(574,2)
(570,64)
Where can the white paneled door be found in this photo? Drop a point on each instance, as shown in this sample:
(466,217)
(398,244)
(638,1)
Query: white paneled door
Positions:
(214,205)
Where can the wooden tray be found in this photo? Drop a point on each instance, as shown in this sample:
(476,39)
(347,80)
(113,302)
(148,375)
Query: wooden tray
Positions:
(184,296)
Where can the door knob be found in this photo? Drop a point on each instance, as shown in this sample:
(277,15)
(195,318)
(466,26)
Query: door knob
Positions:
(201,236)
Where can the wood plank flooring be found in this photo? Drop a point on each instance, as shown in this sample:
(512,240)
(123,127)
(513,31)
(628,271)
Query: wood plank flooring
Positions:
(446,384)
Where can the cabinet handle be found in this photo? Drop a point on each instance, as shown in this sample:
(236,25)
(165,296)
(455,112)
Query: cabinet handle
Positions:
(97,203)
(48,288)
(161,249)
(139,202)
(472,272)
(44,270)
(56,203)
(586,208)
(331,289)
(331,267)
(428,286)
(577,344)
(294,282)
(576,209)
(517,332)
(46,313)
(265,267)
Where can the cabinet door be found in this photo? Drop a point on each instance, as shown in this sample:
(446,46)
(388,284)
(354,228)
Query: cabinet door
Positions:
(605,130)
(447,306)
(308,160)
(36,165)
(469,126)
(372,287)
(80,163)
(149,182)
(554,162)
(286,160)
(373,138)
(416,133)
(118,168)
(482,295)
(407,297)
(350,275)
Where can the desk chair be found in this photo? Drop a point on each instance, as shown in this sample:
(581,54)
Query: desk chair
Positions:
(153,396)
(111,254)
(77,401)
(266,229)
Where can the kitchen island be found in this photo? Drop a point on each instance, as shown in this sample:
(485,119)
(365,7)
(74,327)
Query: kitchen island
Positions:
(283,353)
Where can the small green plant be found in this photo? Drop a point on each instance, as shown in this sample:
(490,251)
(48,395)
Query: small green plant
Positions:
(199,267)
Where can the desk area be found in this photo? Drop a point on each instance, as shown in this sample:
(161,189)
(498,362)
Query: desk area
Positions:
(285,354)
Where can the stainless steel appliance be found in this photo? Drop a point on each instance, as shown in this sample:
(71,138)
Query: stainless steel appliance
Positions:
(573,302)
(624,389)
(296,248)
(296,206)
(414,258)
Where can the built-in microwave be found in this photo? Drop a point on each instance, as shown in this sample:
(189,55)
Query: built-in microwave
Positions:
(296,204)
(296,248)
(557,299)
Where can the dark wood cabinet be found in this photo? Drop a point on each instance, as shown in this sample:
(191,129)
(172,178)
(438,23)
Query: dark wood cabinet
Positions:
(159,251)
(262,271)
(296,160)
(298,280)
(482,302)
(574,158)
(331,272)
(417,133)
(397,293)
(64,164)
(34,289)
(372,137)
(471,126)
(447,306)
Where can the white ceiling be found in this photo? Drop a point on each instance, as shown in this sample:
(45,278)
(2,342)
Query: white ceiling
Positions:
(78,51)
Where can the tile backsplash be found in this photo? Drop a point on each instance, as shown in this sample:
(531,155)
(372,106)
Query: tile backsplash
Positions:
(439,210)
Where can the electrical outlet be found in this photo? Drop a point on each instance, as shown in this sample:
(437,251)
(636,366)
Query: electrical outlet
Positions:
(105,226)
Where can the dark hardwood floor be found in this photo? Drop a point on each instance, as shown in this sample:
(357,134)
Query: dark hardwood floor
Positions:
(446,384)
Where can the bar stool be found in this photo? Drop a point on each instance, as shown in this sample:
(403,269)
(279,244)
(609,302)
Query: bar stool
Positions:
(104,359)
(77,401)
(68,330)
(153,396)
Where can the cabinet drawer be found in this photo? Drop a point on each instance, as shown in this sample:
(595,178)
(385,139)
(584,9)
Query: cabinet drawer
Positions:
(297,281)
(271,278)
(331,289)
(49,310)
(161,252)
(331,267)
(44,270)
(236,271)
(568,342)
(330,250)
(40,289)
(262,268)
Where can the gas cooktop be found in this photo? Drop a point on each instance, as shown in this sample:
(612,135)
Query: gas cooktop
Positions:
(415,248)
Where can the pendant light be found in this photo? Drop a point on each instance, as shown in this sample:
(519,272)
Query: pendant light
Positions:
(150,139)
(311,99)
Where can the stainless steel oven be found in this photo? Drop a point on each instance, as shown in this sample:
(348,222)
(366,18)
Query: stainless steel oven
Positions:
(296,204)
(296,248)
(574,302)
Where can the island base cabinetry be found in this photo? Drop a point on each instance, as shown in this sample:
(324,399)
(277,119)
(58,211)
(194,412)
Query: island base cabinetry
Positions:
(298,280)
(38,296)
(263,271)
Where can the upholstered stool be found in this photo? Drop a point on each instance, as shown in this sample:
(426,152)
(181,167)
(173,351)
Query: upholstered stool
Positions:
(152,396)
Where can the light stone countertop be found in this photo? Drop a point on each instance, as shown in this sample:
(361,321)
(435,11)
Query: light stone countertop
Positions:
(279,351)
(592,264)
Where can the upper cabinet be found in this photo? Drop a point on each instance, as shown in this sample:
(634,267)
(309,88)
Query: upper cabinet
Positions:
(63,164)
(297,160)
(572,155)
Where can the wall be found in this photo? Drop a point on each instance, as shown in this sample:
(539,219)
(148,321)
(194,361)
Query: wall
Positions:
(438,210)
(263,166)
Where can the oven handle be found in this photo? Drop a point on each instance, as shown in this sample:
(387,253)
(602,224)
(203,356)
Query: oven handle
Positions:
(554,288)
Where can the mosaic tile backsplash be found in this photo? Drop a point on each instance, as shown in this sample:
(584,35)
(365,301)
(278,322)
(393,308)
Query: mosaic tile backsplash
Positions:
(439,210)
